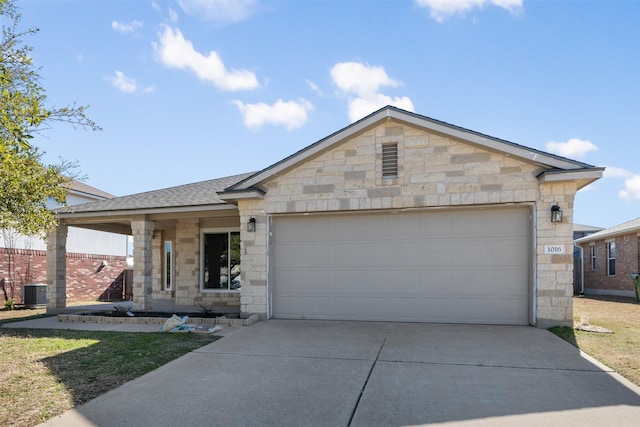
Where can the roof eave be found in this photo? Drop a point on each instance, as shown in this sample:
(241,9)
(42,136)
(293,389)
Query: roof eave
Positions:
(583,177)
(606,234)
(241,194)
(147,211)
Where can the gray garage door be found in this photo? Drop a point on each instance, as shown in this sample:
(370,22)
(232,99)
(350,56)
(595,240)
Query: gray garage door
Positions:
(453,266)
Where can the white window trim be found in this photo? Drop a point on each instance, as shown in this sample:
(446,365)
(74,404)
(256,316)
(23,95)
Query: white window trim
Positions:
(169,286)
(204,231)
(592,256)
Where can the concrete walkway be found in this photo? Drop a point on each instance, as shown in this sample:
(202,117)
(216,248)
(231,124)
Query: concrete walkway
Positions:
(320,373)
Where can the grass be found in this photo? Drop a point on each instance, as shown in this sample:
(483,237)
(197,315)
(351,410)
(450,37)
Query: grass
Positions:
(46,372)
(620,350)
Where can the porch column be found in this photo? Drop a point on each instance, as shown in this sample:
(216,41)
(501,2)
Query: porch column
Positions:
(57,268)
(142,264)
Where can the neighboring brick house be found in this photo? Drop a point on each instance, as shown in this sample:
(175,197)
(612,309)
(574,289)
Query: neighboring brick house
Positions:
(396,217)
(579,231)
(96,260)
(609,257)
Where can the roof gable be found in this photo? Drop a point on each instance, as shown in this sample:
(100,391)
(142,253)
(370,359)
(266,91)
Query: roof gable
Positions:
(556,166)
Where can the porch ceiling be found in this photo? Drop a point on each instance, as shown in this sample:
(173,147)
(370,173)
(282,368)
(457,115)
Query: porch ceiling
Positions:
(121,223)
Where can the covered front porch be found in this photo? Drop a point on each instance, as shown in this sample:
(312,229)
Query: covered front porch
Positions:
(186,248)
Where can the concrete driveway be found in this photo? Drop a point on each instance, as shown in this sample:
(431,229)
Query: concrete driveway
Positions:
(321,373)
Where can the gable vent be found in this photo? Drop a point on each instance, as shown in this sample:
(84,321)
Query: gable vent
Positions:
(389,160)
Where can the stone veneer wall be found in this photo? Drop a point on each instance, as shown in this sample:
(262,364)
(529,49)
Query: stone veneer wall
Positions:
(554,273)
(433,171)
(187,269)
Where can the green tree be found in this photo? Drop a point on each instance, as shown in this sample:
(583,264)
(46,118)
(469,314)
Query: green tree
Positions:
(26,184)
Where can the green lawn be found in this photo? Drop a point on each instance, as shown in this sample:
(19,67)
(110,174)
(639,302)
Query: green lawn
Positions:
(46,372)
(620,350)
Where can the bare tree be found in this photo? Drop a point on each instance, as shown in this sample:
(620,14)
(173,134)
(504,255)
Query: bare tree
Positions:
(10,238)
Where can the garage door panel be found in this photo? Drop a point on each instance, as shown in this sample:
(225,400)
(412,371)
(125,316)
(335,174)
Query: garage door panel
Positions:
(436,225)
(438,252)
(373,227)
(315,231)
(471,252)
(345,282)
(455,266)
(376,281)
(373,253)
(408,283)
(407,253)
(470,282)
(403,226)
(343,229)
(470,224)
(470,310)
(344,254)
(373,308)
(508,252)
(506,283)
(438,282)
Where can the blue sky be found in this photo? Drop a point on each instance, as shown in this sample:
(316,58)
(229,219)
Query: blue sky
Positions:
(192,90)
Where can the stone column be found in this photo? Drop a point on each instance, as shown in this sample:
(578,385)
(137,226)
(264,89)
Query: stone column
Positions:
(57,268)
(142,230)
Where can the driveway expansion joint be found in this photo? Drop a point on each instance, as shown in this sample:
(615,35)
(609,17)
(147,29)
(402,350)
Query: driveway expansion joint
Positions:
(366,381)
(419,362)
(287,356)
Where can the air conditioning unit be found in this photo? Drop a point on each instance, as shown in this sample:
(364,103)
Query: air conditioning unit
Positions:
(34,294)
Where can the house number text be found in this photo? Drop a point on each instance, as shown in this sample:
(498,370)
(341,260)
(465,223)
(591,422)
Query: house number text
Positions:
(553,249)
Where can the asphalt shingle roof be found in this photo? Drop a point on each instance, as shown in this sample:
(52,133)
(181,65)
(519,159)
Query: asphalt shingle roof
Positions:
(624,228)
(195,194)
(81,187)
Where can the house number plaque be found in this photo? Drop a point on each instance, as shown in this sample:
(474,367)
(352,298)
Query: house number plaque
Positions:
(553,249)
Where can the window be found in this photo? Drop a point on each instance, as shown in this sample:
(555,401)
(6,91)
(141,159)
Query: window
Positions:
(220,264)
(611,258)
(592,253)
(389,160)
(168,265)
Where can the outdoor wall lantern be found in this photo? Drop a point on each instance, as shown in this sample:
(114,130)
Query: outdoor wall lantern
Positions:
(556,213)
(251,225)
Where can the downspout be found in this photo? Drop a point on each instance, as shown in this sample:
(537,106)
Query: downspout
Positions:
(581,269)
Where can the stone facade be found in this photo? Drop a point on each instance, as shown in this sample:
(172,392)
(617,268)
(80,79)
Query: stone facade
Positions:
(438,165)
(598,281)
(433,171)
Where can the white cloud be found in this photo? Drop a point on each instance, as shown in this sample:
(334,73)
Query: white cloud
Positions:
(444,9)
(219,10)
(123,27)
(360,79)
(175,51)
(123,83)
(360,107)
(314,87)
(632,189)
(361,83)
(614,172)
(290,114)
(574,147)
(173,15)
